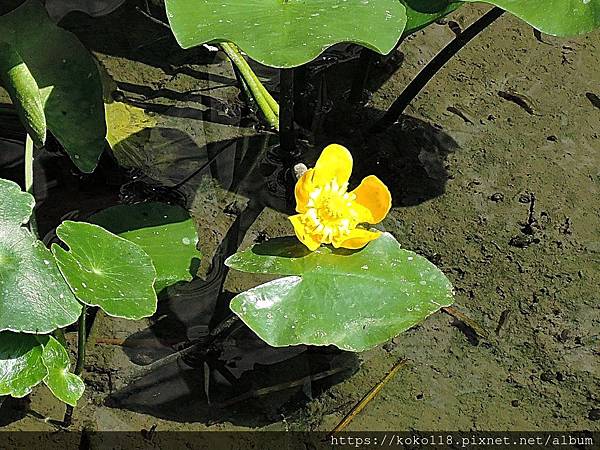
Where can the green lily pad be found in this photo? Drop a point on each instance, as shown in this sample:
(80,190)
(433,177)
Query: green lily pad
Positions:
(65,386)
(34,297)
(106,270)
(420,13)
(354,300)
(554,17)
(165,232)
(21,366)
(67,77)
(24,93)
(288,33)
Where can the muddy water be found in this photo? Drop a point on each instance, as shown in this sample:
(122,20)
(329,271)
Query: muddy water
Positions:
(504,199)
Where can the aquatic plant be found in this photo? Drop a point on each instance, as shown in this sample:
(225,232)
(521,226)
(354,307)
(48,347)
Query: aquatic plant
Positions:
(43,291)
(340,283)
(335,292)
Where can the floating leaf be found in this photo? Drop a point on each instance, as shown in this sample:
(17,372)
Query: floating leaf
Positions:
(420,13)
(555,17)
(24,93)
(67,77)
(34,297)
(165,232)
(287,33)
(106,270)
(65,386)
(21,366)
(351,299)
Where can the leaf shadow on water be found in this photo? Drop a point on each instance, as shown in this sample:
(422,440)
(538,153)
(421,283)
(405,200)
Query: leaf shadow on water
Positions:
(190,311)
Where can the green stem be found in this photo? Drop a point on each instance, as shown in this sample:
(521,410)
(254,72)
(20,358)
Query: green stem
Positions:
(81,341)
(265,101)
(29,180)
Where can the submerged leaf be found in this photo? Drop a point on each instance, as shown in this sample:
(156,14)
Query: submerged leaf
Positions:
(287,33)
(351,299)
(165,232)
(106,270)
(34,297)
(67,77)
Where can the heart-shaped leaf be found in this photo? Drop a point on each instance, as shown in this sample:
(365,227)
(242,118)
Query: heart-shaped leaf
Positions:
(165,232)
(34,297)
(24,93)
(106,270)
(67,77)
(65,386)
(420,13)
(287,33)
(21,366)
(351,299)
(555,17)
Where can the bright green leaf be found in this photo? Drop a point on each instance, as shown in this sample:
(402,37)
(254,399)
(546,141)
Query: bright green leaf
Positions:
(555,17)
(351,299)
(65,386)
(24,93)
(67,77)
(21,366)
(106,270)
(165,232)
(287,33)
(34,297)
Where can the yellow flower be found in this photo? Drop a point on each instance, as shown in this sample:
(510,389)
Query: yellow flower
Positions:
(328,213)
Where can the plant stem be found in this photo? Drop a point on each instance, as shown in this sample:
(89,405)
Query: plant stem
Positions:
(361,76)
(81,341)
(287,135)
(433,67)
(29,179)
(266,102)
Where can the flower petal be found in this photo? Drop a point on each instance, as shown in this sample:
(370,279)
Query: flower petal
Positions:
(358,238)
(304,187)
(335,163)
(302,234)
(375,196)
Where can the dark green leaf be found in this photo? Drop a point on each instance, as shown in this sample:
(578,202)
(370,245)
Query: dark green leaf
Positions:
(420,13)
(67,77)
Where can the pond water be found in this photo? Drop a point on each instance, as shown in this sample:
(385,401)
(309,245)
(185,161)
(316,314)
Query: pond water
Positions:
(505,202)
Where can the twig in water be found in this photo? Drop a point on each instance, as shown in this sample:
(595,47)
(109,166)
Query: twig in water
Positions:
(478,329)
(367,398)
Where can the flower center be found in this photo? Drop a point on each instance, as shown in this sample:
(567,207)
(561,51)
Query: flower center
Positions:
(330,212)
